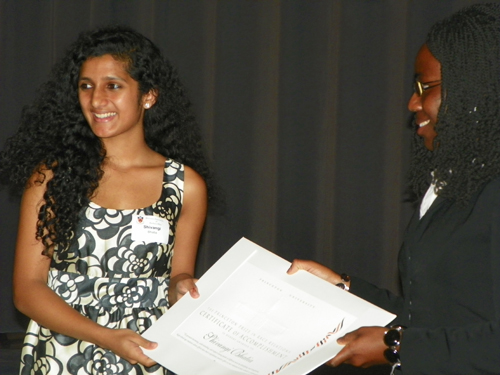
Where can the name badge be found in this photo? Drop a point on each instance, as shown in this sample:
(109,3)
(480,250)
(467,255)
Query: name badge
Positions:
(149,229)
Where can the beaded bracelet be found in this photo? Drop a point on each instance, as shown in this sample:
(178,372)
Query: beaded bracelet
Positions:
(343,285)
(392,338)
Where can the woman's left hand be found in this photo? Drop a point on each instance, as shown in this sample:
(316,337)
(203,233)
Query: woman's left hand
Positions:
(363,348)
(180,285)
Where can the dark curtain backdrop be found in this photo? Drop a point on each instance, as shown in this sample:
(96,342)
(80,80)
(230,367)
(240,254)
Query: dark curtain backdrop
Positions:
(302,105)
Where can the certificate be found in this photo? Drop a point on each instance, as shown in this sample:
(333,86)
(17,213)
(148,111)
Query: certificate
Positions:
(252,318)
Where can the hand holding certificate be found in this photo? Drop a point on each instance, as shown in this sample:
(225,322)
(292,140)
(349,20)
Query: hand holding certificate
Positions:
(253,318)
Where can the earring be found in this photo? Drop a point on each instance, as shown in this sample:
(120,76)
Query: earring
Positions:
(146,105)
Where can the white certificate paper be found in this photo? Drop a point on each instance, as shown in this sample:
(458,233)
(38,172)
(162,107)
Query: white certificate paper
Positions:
(253,318)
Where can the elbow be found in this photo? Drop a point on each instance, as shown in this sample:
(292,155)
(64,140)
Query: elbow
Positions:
(24,296)
(18,300)
(28,291)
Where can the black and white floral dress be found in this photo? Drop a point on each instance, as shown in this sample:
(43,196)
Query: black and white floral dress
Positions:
(112,279)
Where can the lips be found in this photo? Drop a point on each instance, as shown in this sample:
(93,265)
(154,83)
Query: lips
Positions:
(422,128)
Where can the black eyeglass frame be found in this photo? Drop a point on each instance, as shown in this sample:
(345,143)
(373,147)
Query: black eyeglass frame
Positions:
(420,87)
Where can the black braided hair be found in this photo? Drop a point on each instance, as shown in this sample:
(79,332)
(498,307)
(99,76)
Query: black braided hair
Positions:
(54,135)
(467,152)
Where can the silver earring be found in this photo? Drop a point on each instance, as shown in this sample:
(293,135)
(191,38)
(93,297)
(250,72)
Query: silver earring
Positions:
(146,105)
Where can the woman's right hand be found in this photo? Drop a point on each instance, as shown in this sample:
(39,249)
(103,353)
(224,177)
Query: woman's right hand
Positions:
(126,344)
(316,269)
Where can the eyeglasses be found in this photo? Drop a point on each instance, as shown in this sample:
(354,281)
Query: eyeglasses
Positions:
(420,87)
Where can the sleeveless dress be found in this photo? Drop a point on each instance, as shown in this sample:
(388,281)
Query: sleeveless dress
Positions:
(112,279)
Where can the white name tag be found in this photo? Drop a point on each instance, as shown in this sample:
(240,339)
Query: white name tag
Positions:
(149,229)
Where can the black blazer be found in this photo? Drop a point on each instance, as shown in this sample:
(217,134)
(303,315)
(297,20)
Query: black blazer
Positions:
(449,267)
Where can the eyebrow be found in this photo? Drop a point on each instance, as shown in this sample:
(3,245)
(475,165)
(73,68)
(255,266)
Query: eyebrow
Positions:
(107,78)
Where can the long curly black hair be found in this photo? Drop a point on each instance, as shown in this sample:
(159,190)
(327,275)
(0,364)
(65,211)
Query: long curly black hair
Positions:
(467,152)
(54,135)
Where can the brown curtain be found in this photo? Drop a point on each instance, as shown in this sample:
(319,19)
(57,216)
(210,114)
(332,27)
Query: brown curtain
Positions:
(302,104)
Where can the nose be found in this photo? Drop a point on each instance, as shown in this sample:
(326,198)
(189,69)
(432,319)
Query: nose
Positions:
(415,103)
(98,98)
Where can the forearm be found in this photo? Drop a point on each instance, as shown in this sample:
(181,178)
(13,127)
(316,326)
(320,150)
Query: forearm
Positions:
(378,296)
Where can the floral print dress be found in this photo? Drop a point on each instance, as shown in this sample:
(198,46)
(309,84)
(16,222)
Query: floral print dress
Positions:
(112,279)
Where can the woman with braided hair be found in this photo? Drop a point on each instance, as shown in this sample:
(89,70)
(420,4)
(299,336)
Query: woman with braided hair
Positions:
(448,318)
(115,187)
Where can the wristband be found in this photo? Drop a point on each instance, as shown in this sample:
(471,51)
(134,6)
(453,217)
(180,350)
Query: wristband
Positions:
(343,285)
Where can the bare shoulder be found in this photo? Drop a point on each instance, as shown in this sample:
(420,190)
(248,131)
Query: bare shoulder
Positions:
(193,180)
(29,260)
(40,177)
(195,188)
(37,184)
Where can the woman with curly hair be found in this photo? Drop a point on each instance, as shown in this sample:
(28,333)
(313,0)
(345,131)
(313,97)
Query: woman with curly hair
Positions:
(448,317)
(116,186)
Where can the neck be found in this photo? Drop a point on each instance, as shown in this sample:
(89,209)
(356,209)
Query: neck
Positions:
(124,153)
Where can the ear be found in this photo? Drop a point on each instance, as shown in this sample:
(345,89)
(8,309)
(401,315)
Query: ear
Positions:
(149,99)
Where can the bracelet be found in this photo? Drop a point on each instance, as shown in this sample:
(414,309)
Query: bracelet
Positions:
(392,338)
(343,285)
(392,356)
